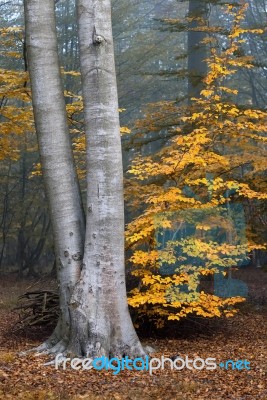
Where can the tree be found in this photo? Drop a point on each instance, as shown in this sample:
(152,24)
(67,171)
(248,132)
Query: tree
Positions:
(192,190)
(21,219)
(94,317)
(197,51)
(55,149)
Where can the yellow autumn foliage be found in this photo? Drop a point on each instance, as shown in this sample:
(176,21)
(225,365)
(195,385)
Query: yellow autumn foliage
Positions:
(192,183)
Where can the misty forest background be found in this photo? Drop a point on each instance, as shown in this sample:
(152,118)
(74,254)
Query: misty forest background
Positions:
(161,51)
(151,48)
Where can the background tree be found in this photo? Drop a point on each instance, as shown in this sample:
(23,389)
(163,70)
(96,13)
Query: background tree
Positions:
(196,46)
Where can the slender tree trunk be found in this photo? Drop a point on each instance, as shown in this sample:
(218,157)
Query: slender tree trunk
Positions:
(56,153)
(101,323)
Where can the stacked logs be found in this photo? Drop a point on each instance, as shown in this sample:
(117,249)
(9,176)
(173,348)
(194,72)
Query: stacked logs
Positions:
(40,307)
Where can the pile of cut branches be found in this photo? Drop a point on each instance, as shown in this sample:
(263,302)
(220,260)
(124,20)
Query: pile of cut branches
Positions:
(40,307)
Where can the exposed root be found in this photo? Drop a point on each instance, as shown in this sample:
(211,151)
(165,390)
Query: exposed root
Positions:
(43,349)
(94,350)
(61,354)
(38,350)
(149,350)
(59,348)
(59,359)
(85,344)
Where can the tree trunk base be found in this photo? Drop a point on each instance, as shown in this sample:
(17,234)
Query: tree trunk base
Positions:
(84,343)
(95,349)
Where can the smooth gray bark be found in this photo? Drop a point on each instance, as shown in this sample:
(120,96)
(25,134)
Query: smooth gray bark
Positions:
(101,323)
(95,317)
(58,168)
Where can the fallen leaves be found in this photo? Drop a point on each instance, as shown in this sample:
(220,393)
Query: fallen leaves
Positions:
(242,337)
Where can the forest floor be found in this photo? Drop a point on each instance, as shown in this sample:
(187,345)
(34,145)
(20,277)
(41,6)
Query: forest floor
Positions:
(242,337)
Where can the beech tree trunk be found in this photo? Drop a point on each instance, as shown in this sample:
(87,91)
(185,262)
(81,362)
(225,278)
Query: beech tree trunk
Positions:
(95,315)
(101,323)
(58,168)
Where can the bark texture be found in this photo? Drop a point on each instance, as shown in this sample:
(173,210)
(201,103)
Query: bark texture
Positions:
(58,168)
(95,317)
(101,323)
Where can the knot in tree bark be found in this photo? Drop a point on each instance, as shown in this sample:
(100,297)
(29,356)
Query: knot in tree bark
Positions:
(98,39)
